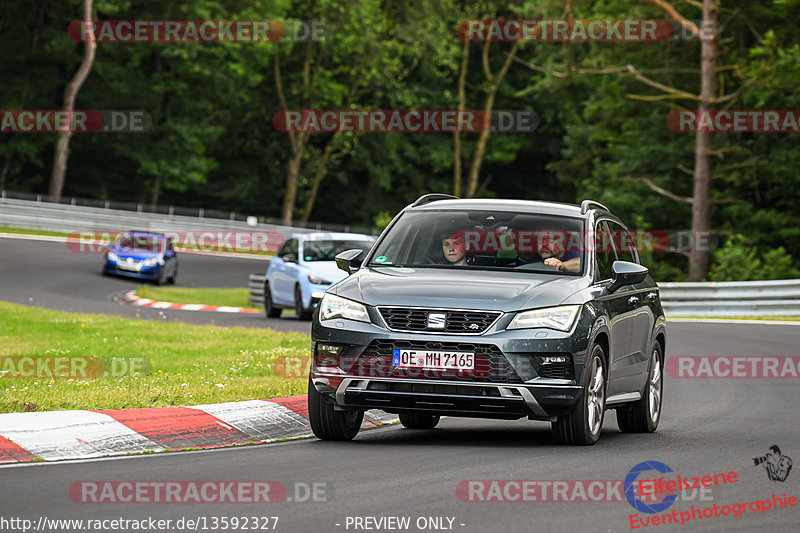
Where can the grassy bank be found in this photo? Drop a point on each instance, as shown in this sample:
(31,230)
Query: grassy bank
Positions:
(189,364)
(186,295)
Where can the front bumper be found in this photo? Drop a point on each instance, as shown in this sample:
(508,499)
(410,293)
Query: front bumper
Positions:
(146,272)
(510,385)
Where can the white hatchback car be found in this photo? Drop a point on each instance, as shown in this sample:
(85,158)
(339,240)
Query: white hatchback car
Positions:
(304,268)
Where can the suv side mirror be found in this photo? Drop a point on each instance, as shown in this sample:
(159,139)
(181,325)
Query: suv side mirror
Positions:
(290,258)
(350,260)
(626,273)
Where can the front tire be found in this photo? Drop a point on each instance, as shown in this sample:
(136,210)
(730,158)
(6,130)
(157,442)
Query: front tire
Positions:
(643,415)
(328,424)
(269,307)
(301,312)
(582,426)
(419,421)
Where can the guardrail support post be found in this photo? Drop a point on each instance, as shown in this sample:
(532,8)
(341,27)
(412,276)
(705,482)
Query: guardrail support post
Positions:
(200,213)
(171,211)
(139,208)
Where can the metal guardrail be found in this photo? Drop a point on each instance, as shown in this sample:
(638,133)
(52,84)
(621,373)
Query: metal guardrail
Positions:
(256,286)
(723,298)
(73,214)
(731,298)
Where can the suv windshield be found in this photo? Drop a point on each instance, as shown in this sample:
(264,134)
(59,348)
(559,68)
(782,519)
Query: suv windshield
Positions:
(327,250)
(488,240)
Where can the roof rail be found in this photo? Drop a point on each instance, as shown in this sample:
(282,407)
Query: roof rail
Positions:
(586,203)
(428,198)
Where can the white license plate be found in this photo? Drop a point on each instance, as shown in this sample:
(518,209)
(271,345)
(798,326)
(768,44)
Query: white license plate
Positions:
(433,359)
(129,266)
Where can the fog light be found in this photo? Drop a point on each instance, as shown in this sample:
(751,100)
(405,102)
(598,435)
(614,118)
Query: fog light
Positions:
(554,359)
(329,349)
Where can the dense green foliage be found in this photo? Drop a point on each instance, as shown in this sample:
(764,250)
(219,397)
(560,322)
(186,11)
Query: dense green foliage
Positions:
(212,143)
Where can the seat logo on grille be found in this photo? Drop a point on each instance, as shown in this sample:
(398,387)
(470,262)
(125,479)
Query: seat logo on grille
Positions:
(436,320)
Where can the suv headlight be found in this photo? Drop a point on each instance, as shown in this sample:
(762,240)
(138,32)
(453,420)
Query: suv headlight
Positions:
(333,306)
(560,318)
(316,280)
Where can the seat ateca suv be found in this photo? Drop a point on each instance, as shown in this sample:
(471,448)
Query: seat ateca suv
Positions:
(493,309)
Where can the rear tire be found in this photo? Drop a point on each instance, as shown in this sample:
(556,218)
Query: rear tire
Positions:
(301,312)
(643,415)
(269,308)
(174,276)
(419,421)
(328,424)
(583,425)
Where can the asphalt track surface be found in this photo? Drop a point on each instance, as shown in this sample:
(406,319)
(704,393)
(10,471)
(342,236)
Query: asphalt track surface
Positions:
(708,426)
(47,274)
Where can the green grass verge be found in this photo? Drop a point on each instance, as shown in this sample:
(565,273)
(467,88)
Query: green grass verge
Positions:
(783,318)
(186,295)
(190,364)
(24,231)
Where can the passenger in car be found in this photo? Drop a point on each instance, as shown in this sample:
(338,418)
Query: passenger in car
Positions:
(453,248)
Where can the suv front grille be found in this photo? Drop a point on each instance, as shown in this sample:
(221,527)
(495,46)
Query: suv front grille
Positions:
(456,321)
(490,363)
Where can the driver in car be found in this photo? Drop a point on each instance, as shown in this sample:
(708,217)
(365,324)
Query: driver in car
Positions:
(553,254)
(453,248)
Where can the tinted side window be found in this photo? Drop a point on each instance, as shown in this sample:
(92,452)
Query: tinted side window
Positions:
(604,252)
(289,247)
(624,243)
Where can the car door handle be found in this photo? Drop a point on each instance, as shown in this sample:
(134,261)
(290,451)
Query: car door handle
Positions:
(652,296)
(633,300)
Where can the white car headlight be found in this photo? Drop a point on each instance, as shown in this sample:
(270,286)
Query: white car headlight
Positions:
(152,261)
(316,280)
(560,318)
(333,306)
(112,256)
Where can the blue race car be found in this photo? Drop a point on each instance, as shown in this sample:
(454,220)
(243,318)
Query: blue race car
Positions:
(304,268)
(142,255)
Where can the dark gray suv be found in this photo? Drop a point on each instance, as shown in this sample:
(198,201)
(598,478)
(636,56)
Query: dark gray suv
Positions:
(494,309)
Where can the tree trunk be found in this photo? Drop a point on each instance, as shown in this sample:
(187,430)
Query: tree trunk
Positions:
(322,169)
(70,93)
(494,85)
(462,105)
(292,173)
(701,212)
(155,193)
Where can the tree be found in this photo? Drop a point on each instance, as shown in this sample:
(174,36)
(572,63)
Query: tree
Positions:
(70,94)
